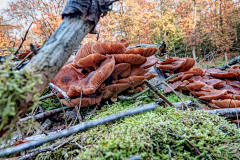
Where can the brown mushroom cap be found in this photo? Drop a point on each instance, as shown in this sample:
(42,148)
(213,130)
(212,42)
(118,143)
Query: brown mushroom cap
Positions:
(93,81)
(226,103)
(137,71)
(196,71)
(188,65)
(220,85)
(196,86)
(231,96)
(89,61)
(22,55)
(139,88)
(231,89)
(223,75)
(68,75)
(145,52)
(186,76)
(108,48)
(173,64)
(176,78)
(152,60)
(125,42)
(83,52)
(233,83)
(196,78)
(85,101)
(174,85)
(213,95)
(113,90)
(133,59)
(122,69)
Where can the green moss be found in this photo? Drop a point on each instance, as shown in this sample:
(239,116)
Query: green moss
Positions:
(157,134)
(14,87)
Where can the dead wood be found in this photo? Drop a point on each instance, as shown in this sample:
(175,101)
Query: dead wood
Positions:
(23,39)
(230,113)
(59,90)
(231,62)
(44,114)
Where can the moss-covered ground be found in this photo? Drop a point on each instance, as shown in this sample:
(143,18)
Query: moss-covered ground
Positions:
(164,133)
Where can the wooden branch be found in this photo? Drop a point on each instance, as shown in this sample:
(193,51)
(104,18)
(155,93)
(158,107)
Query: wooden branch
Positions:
(229,113)
(231,62)
(24,38)
(44,114)
(77,129)
(60,91)
(158,93)
(46,96)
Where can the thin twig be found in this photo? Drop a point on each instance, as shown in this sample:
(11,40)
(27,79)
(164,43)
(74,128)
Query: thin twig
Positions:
(158,93)
(44,114)
(193,146)
(25,58)
(77,129)
(60,91)
(46,96)
(23,39)
(35,153)
(175,93)
(145,90)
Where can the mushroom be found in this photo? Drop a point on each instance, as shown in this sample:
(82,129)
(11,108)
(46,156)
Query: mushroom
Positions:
(231,89)
(108,48)
(186,76)
(68,75)
(122,69)
(196,71)
(85,100)
(113,90)
(227,103)
(188,65)
(93,81)
(152,60)
(176,78)
(89,61)
(223,75)
(83,52)
(213,95)
(125,42)
(137,71)
(171,64)
(233,83)
(133,59)
(145,52)
(22,55)
(230,96)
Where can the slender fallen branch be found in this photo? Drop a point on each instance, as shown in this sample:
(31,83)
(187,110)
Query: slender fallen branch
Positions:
(24,38)
(44,114)
(175,93)
(77,129)
(229,113)
(231,62)
(33,154)
(26,58)
(158,93)
(46,96)
(146,90)
(59,90)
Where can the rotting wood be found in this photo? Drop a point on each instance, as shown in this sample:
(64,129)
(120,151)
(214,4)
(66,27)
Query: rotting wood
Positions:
(231,62)
(229,113)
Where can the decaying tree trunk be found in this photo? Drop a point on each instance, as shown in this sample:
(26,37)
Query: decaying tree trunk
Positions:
(80,18)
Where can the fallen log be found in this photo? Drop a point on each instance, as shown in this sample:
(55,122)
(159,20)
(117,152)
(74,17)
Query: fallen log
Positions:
(231,62)
(229,113)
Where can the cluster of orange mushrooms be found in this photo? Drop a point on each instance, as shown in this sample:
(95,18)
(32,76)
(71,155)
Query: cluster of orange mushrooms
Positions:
(103,70)
(221,88)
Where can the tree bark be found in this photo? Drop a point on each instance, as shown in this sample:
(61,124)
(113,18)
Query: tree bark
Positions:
(231,62)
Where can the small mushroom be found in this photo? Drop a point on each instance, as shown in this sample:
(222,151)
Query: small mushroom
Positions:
(176,78)
(89,61)
(137,71)
(145,52)
(85,101)
(122,69)
(152,60)
(94,80)
(113,90)
(171,64)
(230,96)
(83,52)
(125,42)
(227,103)
(233,83)
(108,48)
(188,65)
(133,59)
(213,95)
(196,71)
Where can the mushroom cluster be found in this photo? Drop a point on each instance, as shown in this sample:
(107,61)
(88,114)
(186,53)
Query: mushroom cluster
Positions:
(221,88)
(103,70)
